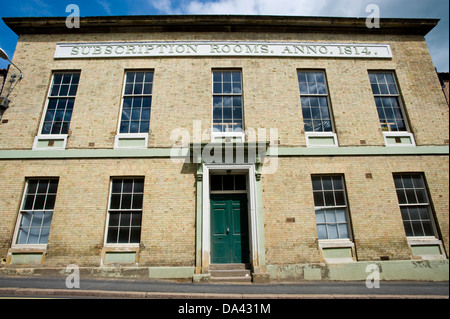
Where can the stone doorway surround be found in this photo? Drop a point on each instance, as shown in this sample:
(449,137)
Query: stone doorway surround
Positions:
(256,225)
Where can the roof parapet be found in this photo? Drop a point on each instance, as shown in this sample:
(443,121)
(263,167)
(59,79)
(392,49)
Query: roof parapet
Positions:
(219,23)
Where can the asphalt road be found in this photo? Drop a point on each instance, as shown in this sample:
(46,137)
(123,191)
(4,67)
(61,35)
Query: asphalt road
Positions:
(142,288)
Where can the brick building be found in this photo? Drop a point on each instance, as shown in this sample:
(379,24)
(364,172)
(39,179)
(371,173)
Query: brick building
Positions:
(444,78)
(3,73)
(284,148)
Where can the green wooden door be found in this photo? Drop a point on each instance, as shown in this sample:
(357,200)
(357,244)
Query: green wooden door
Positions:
(229,229)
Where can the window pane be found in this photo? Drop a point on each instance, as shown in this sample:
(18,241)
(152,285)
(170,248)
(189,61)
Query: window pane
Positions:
(340,198)
(216,182)
(22,236)
(137,201)
(138,186)
(332,231)
(26,219)
(37,219)
(428,229)
(124,235)
(136,219)
(343,231)
(327,183)
(39,202)
(421,196)
(125,219)
(29,201)
(417,181)
(318,199)
(330,216)
(127,186)
(113,232)
(126,201)
(329,199)
(411,196)
(115,201)
(423,213)
(114,219)
(401,196)
(50,203)
(316,183)
(408,228)
(322,232)
(320,216)
(33,235)
(135,236)
(45,232)
(341,216)
(417,228)
(413,213)
(240,182)
(228,182)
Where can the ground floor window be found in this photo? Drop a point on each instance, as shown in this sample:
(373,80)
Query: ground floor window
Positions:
(330,205)
(414,205)
(125,211)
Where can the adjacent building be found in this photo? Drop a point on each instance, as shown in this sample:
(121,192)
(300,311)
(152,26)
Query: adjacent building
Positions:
(284,148)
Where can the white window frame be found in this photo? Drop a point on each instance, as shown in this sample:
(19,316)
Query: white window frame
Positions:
(239,136)
(313,134)
(124,136)
(387,134)
(424,240)
(28,247)
(309,135)
(124,246)
(40,136)
(345,207)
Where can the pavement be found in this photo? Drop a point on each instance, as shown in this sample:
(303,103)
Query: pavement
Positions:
(109,288)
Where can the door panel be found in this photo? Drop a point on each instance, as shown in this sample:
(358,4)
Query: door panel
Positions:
(229,228)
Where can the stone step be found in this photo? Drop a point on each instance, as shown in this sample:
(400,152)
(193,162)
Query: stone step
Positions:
(231,279)
(230,273)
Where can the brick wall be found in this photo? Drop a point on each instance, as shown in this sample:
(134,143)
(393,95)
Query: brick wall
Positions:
(182,94)
(372,202)
(182,91)
(168,227)
(78,225)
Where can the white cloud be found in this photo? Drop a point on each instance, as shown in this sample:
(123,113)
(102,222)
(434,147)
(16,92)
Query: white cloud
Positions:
(263,7)
(105,5)
(167,6)
(438,39)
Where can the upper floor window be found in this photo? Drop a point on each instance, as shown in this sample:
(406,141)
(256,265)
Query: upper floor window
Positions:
(387,100)
(137,102)
(227,101)
(61,100)
(315,101)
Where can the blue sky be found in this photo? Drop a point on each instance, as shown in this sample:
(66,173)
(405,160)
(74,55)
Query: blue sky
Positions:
(437,40)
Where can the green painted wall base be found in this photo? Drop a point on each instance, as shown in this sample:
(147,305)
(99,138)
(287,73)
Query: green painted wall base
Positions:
(426,270)
(182,273)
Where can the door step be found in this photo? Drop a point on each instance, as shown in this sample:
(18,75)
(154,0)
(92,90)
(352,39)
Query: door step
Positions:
(234,273)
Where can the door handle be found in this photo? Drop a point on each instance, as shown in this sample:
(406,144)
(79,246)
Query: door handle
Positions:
(228,230)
